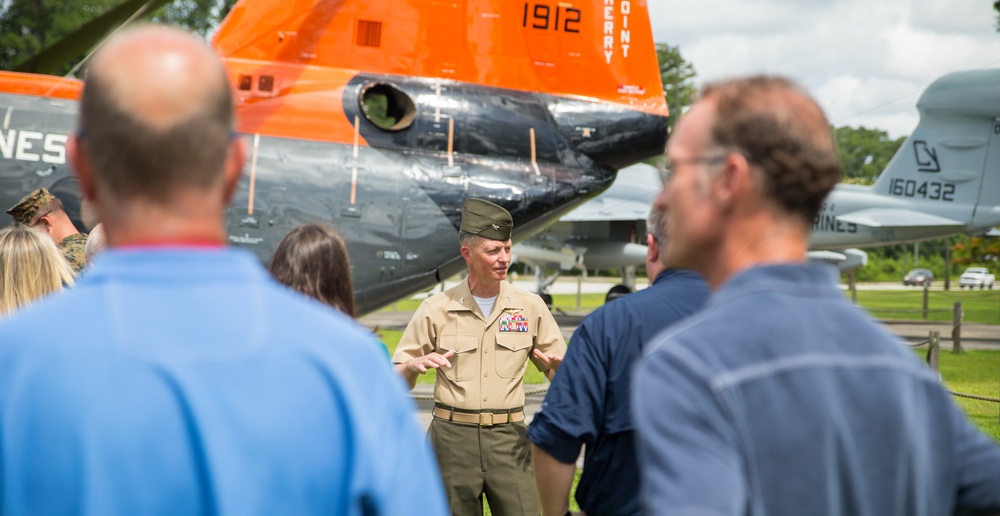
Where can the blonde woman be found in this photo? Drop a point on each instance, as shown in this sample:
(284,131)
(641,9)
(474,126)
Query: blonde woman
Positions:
(31,267)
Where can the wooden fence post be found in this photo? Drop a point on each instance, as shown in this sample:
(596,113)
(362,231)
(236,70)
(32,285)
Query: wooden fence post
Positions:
(926,290)
(579,292)
(956,329)
(934,343)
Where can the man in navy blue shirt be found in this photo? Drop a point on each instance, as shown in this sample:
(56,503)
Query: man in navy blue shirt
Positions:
(588,402)
(780,397)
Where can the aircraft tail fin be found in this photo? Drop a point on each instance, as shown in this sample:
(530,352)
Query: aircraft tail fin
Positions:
(952,159)
(599,49)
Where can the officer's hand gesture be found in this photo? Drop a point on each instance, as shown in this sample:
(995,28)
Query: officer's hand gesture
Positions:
(413,368)
(551,361)
(433,360)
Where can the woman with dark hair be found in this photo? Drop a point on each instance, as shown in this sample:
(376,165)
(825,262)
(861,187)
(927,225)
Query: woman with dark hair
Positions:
(312,259)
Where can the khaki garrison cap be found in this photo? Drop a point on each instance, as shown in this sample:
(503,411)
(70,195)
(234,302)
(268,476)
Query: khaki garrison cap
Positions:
(486,219)
(28,210)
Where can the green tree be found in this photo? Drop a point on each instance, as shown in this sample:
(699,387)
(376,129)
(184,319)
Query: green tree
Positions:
(975,250)
(678,79)
(864,152)
(996,7)
(27,26)
(199,16)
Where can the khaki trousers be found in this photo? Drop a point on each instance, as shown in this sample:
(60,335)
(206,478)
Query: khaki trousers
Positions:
(494,461)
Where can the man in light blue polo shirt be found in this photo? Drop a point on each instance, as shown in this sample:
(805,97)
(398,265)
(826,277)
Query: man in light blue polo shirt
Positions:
(781,397)
(177,377)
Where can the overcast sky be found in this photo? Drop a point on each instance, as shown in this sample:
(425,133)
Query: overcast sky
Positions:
(865,61)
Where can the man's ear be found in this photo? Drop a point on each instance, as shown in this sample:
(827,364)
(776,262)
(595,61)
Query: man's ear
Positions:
(81,167)
(466,253)
(652,248)
(44,224)
(235,159)
(731,183)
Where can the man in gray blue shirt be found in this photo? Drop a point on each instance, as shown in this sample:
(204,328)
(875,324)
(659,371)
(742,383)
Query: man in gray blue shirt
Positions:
(587,403)
(780,397)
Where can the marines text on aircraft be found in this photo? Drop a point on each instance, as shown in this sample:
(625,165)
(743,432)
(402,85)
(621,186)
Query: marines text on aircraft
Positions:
(380,117)
(945,178)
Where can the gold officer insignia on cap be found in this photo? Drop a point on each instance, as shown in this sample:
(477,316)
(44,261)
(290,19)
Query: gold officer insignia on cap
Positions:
(483,218)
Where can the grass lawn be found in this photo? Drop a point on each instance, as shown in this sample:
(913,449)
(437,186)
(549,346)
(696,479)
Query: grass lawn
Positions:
(974,372)
(981,306)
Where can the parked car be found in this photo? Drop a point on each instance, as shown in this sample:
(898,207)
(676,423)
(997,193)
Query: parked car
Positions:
(976,277)
(922,277)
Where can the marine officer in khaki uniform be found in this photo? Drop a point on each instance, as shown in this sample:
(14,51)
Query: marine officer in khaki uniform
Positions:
(480,334)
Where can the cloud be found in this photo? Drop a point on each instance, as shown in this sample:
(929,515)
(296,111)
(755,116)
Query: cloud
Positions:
(866,61)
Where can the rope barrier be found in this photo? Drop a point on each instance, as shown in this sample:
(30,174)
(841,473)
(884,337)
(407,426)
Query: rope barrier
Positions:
(956,294)
(907,310)
(918,344)
(975,397)
(425,397)
(983,295)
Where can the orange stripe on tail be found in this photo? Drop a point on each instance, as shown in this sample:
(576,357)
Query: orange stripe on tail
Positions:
(598,49)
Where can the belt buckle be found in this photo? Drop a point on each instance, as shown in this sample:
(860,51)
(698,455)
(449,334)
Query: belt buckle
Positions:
(482,421)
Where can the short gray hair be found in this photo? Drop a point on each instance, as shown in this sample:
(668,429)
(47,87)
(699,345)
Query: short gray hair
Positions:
(467,239)
(656,225)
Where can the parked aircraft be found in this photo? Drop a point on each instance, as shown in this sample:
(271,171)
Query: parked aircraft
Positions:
(380,117)
(607,232)
(945,179)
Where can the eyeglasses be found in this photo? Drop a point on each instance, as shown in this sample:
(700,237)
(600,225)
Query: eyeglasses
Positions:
(667,165)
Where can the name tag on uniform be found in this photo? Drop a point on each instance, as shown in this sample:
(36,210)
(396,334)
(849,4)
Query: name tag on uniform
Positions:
(512,320)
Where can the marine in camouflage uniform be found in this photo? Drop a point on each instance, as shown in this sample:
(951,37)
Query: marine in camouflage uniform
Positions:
(72,248)
(40,203)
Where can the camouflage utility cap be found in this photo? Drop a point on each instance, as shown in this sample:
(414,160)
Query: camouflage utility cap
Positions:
(28,210)
(486,219)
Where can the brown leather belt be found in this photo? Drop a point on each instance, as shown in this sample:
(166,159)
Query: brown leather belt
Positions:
(484,418)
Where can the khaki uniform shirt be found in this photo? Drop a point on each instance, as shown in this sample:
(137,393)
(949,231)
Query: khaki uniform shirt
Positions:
(72,249)
(491,353)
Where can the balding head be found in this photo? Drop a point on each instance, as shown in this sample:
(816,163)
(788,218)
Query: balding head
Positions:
(156,115)
(785,136)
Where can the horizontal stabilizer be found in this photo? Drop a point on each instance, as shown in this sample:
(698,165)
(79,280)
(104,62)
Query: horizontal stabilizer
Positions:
(831,257)
(897,218)
(540,255)
(847,260)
